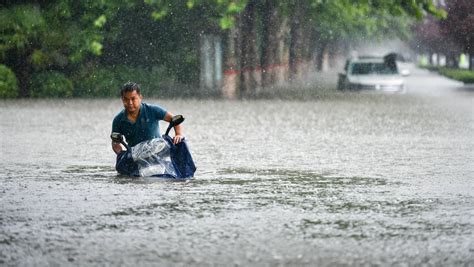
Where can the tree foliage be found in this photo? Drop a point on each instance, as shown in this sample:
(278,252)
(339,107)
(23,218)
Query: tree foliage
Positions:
(459,24)
(51,84)
(8,83)
(449,36)
(38,36)
(61,36)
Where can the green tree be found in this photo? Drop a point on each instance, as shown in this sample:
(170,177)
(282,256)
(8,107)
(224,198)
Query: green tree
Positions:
(8,83)
(50,84)
(50,35)
(20,33)
(66,36)
(458,26)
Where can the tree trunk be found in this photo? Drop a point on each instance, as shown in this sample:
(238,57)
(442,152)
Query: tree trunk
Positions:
(281,69)
(275,57)
(334,54)
(471,60)
(230,83)
(308,44)
(23,72)
(251,75)
(296,45)
(272,27)
(312,51)
(322,57)
(451,60)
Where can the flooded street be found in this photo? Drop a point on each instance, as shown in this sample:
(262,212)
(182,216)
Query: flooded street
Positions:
(341,179)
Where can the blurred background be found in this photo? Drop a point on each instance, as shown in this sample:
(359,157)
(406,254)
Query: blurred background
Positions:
(225,48)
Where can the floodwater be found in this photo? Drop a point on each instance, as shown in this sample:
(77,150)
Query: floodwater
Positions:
(340,179)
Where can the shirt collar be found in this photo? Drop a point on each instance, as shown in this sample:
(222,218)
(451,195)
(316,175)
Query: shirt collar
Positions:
(140,114)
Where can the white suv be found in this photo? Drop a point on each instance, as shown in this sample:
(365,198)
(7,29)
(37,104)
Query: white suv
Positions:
(371,73)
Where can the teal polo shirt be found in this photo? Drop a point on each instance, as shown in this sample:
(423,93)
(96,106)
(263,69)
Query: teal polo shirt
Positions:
(146,126)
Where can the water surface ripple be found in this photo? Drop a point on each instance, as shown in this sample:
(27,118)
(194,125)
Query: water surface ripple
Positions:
(343,179)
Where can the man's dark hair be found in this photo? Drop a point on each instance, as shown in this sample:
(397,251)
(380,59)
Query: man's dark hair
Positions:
(130,87)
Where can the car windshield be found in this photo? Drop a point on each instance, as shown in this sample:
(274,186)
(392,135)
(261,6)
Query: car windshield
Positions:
(366,68)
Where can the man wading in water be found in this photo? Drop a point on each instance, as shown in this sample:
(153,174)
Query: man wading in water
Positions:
(139,121)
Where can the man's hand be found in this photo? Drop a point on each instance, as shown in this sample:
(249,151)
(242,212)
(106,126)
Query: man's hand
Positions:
(177,129)
(177,138)
(117,147)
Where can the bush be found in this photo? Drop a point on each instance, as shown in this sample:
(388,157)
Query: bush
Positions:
(8,83)
(95,82)
(50,84)
(465,76)
(107,81)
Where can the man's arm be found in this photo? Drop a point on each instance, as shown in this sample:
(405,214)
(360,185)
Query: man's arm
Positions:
(178,132)
(116,146)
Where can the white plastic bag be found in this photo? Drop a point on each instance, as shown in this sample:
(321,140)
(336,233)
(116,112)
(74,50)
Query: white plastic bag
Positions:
(153,158)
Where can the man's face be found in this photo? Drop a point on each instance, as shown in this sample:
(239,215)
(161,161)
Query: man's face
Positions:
(132,101)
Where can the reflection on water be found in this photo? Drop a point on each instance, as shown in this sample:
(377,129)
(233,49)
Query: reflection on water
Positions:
(347,179)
